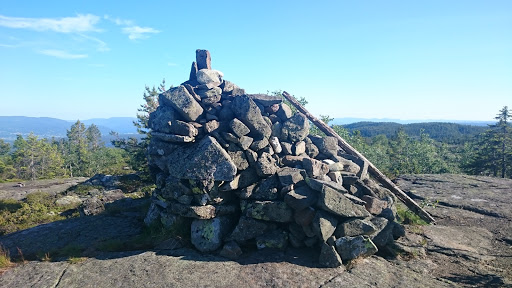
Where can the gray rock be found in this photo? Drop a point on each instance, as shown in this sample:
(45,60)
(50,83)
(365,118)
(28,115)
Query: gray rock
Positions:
(284,112)
(68,200)
(305,217)
(265,100)
(193,73)
(354,227)
(92,206)
(211,126)
(353,247)
(329,257)
(363,165)
(202,160)
(301,198)
(295,129)
(317,184)
(299,148)
(311,149)
(152,215)
(245,142)
(336,177)
(210,96)
(324,225)
(231,250)
(248,112)
(173,188)
(266,165)
(374,205)
(238,157)
(314,168)
(287,148)
(228,87)
(289,176)
(206,235)
(335,202)
(249,228)
(183,103)
(239,128)
(197,212)
(275,211)
(276,129)
(327,145)
(267,189)
(274,142)
(163,120)
(293,161)
(244,179)
(205,76)
(259,144)
(277,239)
(384,232)
(203,59)
(172,137)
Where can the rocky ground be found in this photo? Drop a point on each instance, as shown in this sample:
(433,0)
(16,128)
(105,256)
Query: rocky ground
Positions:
(19,191)
(471,246)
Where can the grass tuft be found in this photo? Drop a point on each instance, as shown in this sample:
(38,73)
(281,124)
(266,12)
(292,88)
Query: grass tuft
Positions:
(5,259)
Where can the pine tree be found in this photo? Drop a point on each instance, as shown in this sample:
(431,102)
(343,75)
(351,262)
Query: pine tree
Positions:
(77,149)
(93,135)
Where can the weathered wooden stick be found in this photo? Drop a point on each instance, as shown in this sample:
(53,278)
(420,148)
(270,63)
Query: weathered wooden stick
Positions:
(385,181)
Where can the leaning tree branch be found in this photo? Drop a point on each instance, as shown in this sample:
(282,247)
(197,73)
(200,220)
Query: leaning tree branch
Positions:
(379,176)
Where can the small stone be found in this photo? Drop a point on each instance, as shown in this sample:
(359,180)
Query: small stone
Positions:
(277,239)
(238,128)
(335,202)
(329,257)
(289,176)
(284,112)
(231,250)
(203,59)
(287,148)
(314,168)
(274,142)
(324,225)
(275,211)
(301,198)
(172,138)
(245,142)
(353,247)
(305,217)
(182,102)
(211,126)
(266,165)
(205,76)
(249,228)
(354,227)
(374,205)
(295,129)
(206,235)
(265,100)
(259,144)
(299,148)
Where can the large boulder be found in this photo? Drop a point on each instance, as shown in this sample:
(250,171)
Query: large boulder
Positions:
(207,235)
(184,103)
(248,112)
(203,160)
(335,202)
(295,129)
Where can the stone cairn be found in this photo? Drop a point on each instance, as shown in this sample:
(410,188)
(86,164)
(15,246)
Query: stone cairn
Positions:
(242,171)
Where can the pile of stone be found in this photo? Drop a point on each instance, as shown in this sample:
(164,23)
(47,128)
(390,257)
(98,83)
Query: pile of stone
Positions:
(243,171)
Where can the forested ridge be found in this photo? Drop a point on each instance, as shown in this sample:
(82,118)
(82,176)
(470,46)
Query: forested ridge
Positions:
(394,148)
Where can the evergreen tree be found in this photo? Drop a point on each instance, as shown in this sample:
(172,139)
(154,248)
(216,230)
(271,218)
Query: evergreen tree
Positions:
(77,149)
(93,135)
(7,170)
(491,152)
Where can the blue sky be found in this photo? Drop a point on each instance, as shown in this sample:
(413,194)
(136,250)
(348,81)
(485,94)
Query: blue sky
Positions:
(371,59)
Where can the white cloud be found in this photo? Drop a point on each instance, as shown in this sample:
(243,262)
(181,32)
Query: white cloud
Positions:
(8,45)
(171,64)
(137,32)
(79,23)
(119,21)
(62,54)
(101,45)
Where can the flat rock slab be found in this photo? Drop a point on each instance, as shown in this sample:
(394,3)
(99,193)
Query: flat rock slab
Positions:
(51,186)
(186,268)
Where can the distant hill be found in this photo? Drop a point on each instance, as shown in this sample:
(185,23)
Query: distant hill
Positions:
(46,127)
(444,132)
(345,121)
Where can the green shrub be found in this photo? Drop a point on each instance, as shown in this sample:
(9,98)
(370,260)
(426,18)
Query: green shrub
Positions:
(5,259)
(406,216)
